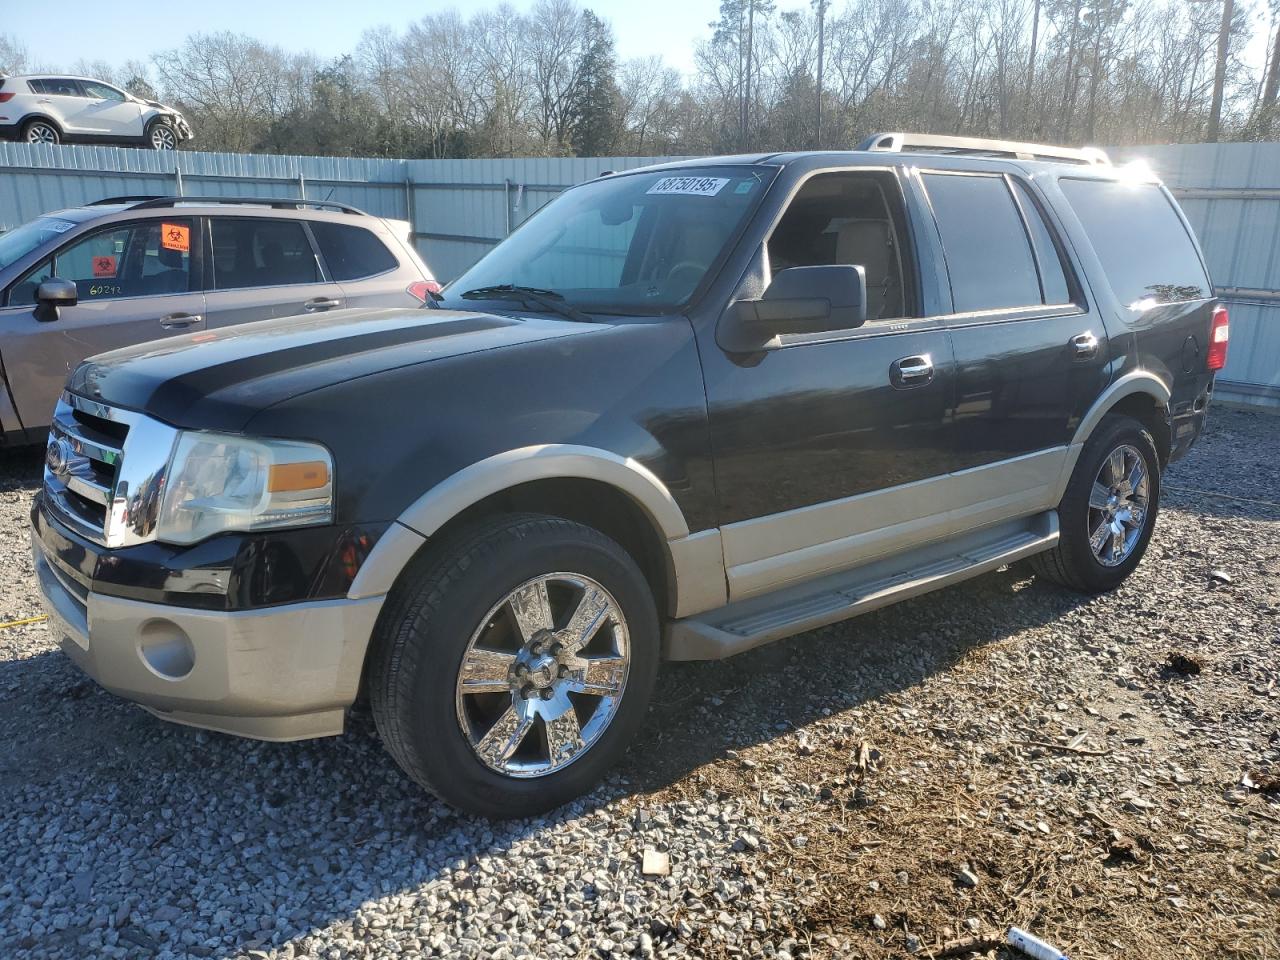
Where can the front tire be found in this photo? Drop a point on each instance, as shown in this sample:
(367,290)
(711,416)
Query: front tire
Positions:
(514,663)
(162,136)
(41,131)
(1109,509)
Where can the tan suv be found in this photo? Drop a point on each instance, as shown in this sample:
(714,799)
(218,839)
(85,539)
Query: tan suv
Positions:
(132,269)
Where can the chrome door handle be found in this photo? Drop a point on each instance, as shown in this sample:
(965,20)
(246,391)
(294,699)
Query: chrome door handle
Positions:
(911,371)
(1084,346)
(180,321)
(322,303)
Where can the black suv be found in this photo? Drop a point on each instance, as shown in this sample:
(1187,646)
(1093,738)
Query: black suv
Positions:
(683,411)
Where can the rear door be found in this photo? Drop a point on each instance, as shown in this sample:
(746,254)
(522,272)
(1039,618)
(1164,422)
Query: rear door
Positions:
(263,267)
(1031,353)
(109,112)
(137,281)
(363,262)
(64,100)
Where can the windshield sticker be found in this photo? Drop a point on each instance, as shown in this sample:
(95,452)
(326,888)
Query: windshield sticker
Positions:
(59,226)
(175,236)
(104,266)
(688,186)
(744,187)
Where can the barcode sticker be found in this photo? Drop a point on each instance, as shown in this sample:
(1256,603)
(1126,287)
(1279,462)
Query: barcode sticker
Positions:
(688,186)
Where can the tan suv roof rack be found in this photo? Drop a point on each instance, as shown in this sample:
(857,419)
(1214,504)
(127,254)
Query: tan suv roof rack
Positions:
(933,143)
(154,202)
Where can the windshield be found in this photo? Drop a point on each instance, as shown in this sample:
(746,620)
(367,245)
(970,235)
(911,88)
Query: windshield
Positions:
(632,243)
(16,244)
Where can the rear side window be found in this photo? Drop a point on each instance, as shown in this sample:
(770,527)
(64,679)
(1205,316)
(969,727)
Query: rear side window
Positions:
(56,86)
(351,253)
(988,254)
(261,253)
(1145,250)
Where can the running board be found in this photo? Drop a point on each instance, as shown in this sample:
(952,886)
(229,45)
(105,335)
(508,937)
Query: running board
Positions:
(751,623)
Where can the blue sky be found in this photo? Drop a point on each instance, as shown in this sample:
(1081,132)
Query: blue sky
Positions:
(125,29)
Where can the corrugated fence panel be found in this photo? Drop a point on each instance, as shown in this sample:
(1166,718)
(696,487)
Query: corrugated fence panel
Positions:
(460,208)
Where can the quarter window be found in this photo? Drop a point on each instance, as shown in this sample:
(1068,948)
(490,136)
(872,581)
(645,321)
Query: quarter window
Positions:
(1146,252)
(988,254)
(351,253)
(261,253)
(1053,277)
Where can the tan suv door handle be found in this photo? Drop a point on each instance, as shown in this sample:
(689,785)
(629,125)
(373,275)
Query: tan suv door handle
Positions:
(180,321)
(322,303)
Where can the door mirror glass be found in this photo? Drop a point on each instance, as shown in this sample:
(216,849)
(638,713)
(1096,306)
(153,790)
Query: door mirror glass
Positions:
(799,300)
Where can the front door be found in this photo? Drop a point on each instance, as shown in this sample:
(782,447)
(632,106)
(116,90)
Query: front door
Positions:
(261,268)
(135,282)
(833,448)
(109,113)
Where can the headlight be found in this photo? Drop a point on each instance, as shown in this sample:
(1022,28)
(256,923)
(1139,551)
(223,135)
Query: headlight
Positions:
(219,482)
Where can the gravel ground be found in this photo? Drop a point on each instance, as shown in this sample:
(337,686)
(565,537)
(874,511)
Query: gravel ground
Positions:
(913,781)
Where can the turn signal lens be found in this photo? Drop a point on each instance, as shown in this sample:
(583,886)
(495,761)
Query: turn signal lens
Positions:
(308,475)
(1219,331)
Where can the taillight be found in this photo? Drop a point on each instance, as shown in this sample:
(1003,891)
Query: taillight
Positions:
(1216,358)
(6,97)
(424,290)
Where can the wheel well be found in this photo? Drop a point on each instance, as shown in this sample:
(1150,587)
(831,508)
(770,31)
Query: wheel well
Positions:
(594,504)
(1153,415)
(40,117)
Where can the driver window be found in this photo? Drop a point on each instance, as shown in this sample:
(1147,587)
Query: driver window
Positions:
(847,218)
(100,91)
(145,258)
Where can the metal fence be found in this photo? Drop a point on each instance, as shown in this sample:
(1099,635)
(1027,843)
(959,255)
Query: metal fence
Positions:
(460,208)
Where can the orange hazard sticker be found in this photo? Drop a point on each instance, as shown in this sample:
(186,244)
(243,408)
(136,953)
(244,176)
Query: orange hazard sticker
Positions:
(104,266)
(175,236)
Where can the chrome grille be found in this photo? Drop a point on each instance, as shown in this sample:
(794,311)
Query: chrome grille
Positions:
(104,470)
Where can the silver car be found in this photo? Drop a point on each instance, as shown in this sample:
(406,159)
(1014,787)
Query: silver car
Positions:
(131,269)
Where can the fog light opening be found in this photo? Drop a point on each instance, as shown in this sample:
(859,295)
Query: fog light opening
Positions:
(166,649)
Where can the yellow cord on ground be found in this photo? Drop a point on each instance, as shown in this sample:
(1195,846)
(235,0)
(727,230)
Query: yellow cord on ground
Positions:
(23,623)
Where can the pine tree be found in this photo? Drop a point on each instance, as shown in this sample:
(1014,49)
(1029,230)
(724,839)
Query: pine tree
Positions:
(598,104)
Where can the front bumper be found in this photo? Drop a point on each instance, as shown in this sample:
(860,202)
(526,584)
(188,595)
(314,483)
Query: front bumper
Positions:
(285,672)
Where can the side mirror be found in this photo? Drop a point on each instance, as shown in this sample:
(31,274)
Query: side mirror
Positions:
(799,300)
(52,294)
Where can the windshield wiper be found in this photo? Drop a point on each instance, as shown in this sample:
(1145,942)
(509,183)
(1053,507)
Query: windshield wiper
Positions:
(548,300)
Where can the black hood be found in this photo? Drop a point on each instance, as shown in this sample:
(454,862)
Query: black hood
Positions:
(218,379)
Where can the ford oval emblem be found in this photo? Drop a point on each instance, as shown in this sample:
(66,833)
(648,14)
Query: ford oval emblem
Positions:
(57,457)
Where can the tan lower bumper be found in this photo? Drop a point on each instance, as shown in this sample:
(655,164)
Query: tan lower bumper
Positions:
(280,673)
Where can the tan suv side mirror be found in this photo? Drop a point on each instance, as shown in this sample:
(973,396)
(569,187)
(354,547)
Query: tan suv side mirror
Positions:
(52,294)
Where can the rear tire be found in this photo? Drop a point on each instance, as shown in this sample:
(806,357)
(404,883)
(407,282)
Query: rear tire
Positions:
(1108,511)
(41,131)
(513,664)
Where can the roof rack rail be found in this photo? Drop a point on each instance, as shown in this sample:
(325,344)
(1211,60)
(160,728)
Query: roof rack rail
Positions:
(153,202)
(931,143)
(111,201)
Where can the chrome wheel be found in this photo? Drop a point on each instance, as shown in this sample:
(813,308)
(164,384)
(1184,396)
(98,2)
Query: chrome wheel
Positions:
(162,137)
(1118,505)
(41,133)
(543,676)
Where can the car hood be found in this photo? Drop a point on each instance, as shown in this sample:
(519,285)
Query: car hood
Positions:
(218,379)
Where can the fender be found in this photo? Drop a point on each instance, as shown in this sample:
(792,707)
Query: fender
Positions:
(1135,381)
(690,555)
